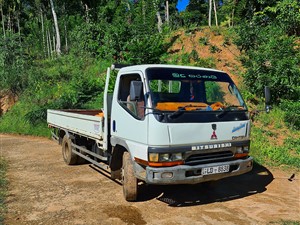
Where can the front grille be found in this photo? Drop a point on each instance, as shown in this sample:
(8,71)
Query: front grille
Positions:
(209,158)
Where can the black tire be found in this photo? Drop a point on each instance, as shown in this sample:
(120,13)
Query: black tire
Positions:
(130,182)
(116,174)
(69,157)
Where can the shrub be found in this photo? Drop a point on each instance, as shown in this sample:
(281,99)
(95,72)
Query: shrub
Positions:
(194,55)
(185,59)
(203,41)
(216,31)
(214,49)
(226,41)
(206,62)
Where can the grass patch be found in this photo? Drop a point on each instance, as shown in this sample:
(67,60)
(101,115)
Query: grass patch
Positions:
(3,188)
(272,143)
(15,122)
(285,222)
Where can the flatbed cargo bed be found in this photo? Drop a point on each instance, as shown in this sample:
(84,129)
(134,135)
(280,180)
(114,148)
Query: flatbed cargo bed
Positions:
(82,122)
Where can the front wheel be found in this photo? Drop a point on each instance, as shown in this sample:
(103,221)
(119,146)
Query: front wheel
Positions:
(130,183)
(69,157)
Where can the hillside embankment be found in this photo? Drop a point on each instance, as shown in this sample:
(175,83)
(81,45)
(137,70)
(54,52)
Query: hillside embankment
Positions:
(7,100)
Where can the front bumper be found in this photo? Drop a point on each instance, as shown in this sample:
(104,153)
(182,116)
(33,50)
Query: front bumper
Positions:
(184,174)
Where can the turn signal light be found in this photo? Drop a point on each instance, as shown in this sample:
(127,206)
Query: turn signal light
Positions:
(162,164)
(240,155)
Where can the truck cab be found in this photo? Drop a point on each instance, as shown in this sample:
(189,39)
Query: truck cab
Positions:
(176,125)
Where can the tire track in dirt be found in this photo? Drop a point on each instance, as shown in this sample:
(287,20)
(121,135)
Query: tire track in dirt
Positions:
(43,190)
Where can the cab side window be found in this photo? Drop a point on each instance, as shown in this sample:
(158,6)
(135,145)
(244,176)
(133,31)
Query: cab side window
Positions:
(136,107)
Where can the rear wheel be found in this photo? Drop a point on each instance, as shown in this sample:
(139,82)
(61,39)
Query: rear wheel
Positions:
(69,157)
(130,183)
(116,174)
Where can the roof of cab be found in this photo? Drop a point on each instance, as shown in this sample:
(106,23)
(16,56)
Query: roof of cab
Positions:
(128,68)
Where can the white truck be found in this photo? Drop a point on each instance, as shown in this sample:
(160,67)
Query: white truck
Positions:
(163,124)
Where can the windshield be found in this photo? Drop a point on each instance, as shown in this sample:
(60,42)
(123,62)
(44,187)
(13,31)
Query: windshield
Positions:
(172,89)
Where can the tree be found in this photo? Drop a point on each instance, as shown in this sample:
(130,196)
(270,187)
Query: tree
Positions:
(227,12)
(215,10)
(195,13)
(286,14)
(271,59)
(2,18)
(58,51)
(13,64)
(269,42)
(209,13)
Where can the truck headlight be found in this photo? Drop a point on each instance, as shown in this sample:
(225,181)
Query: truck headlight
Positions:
(176,156)
(241,152)
(239,149)
(246,148)
(242,149)
(165,157)
(153,157)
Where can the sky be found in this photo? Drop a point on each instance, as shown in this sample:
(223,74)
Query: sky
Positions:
(181,4)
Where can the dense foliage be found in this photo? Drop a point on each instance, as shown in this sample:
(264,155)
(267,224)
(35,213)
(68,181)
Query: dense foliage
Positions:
(273,61)
(272,50)
(13,64)
(270,42)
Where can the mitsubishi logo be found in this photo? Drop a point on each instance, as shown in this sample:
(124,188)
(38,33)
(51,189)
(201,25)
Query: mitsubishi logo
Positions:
(214,135)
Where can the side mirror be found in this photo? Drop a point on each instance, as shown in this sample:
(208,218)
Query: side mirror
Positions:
(267,99)
(136,90)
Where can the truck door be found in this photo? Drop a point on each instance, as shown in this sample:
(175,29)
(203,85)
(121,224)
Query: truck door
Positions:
(128,121)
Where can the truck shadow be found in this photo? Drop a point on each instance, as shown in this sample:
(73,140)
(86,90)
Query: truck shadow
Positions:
(223,190)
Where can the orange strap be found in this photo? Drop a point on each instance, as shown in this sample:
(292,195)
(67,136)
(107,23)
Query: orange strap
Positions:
(173,106)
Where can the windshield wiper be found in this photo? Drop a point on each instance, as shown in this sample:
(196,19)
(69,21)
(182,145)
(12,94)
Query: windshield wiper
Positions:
(227,109)
(180,111)
(156,112)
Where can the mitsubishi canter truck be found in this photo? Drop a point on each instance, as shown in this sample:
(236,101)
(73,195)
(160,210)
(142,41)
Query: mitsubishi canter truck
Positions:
(162,125)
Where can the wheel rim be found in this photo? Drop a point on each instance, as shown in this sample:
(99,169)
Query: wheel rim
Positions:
(66,151)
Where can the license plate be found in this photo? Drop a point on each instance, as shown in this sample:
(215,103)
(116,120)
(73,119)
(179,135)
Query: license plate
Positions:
(215,169)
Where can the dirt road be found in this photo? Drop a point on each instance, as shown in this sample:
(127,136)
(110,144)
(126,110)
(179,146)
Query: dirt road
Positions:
(43,190)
